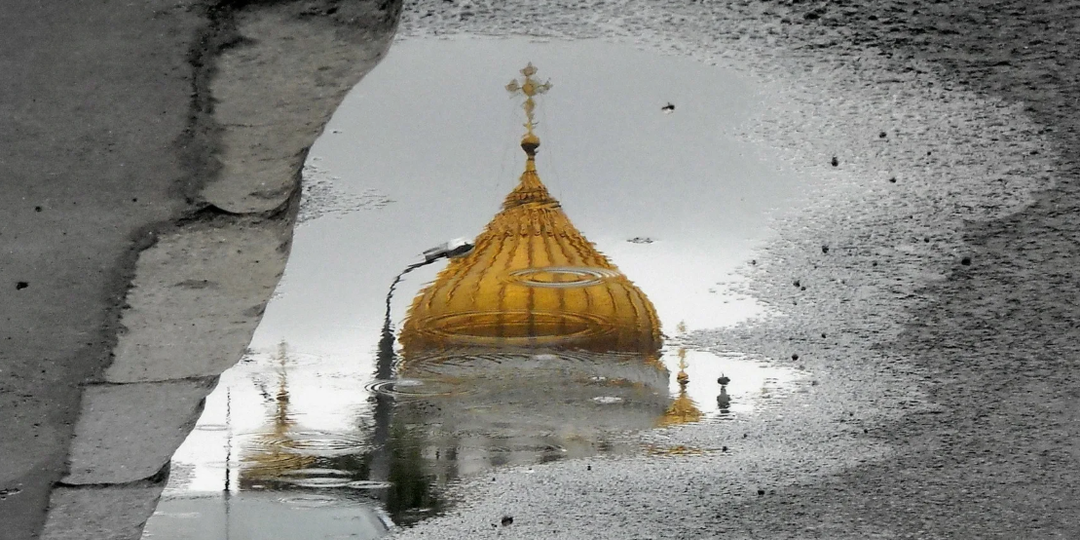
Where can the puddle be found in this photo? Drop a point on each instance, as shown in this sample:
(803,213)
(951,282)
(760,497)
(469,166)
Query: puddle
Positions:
(559,335)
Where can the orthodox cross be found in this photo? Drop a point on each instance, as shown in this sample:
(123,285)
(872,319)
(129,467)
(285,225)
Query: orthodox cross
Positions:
(530,88)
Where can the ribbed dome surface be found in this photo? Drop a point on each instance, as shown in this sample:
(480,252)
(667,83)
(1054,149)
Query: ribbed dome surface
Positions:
(532,279)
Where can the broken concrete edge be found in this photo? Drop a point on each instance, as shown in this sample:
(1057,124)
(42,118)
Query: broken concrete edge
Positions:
(197,148)
(129,432)
(103,510)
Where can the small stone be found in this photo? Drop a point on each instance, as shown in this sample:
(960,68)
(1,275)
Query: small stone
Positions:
(506,521)
(824,249)
(966,261)
(37,208)
(892,180)
(760,492)
(882,135)
(796,283)
(723,449)
(835,162)
(21,285)
(794,357)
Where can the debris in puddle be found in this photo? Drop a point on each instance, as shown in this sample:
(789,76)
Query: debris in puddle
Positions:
(641,240)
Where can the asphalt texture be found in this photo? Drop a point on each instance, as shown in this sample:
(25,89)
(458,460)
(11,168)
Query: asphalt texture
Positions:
(961,408)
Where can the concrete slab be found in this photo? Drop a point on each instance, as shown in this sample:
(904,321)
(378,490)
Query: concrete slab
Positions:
(128,432)
(273,102)
(197,297)
(101,513)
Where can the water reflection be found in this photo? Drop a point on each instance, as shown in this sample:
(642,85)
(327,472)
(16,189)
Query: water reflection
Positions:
(531,348)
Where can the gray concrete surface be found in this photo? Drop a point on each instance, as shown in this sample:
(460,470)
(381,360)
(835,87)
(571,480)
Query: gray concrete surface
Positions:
(123,124)
(112,512)
(128,432)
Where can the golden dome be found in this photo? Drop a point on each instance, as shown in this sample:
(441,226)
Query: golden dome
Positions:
(532,280)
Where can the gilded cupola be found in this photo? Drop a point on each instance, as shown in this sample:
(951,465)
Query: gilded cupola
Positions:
(532,279)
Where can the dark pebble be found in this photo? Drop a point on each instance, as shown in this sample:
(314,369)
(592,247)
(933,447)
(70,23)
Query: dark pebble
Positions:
(21,285)
(796,283)
(507,520)
(760,492)
(893,180)
(966,261)
(723,449)
(588,467)
(882,135)
(835,162)
(824,249)
(37,208)
(794,357)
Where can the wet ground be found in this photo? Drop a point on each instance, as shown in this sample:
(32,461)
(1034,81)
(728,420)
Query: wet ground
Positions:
(938,325)
(328,422)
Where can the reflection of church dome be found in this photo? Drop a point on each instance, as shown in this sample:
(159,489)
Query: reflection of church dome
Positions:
(532,280)
(533,345)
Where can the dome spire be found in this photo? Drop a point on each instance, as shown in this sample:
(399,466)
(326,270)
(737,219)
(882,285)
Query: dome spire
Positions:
(530,88)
